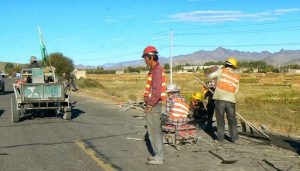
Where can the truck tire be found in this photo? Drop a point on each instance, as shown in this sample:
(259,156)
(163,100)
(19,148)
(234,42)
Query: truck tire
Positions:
(67,114)
(15,113)
(2,87)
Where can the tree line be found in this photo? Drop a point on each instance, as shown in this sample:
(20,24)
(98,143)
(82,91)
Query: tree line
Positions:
(246,66)
(64,64)
(61,63)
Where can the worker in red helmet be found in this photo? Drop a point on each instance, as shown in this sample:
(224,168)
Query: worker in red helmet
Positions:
(154,94)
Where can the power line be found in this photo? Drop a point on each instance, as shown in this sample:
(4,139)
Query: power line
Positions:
(239,45)
(138,54)
(134,41)
(243,32)
(133,44)
(237,26)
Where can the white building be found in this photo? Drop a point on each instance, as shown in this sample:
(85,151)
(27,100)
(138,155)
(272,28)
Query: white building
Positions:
(79,73)
(120,72)
(294,71)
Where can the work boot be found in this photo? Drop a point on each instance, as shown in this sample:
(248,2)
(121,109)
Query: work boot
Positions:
(150,158)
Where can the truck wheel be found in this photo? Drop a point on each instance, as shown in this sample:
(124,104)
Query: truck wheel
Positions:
(15,113)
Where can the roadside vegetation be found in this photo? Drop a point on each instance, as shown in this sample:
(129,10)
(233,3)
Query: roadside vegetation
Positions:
(270,99)
(61,63)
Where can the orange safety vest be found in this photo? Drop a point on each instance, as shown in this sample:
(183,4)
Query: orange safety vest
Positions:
(147,92)
(179,109)
(229,81)
(19,82)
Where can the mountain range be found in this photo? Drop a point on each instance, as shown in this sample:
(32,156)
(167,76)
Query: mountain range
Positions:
(282,57)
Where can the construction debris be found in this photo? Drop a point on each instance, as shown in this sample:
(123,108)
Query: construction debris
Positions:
(244,122)
(132,105)
(271,164)
(137,139)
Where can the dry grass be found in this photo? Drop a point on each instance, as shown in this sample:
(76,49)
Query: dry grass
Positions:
(264,99)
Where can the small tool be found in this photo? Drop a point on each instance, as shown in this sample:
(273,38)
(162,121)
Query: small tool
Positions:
(223,160)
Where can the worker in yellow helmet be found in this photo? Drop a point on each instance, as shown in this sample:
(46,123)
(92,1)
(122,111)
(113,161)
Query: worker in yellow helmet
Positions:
(225,98)
(198,108)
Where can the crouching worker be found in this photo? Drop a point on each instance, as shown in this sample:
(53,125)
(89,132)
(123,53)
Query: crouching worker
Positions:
(176,107)
(178,127)
(197,108)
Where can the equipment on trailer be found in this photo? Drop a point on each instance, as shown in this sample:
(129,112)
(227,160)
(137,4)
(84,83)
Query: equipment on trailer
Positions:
(179,133)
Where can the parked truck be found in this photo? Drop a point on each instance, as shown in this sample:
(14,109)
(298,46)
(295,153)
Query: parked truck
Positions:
(38,90)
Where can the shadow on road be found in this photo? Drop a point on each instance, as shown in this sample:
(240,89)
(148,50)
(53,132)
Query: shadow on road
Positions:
(20,124)
(1,112)
(66,142)
(148,144)
(285,142)
(295,145)
(76,113)
(211,132)
(9,92)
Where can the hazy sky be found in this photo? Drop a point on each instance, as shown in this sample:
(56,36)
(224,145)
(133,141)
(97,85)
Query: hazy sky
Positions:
(95,32)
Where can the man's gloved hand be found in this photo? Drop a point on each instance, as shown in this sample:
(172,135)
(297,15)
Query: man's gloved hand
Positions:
(148,108)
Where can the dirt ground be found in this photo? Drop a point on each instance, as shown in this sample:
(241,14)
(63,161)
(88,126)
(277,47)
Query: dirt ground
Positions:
(248,153)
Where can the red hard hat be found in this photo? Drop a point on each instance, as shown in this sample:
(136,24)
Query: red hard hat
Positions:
(150,49)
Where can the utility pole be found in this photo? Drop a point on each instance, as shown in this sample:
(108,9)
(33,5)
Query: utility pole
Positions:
(171,60)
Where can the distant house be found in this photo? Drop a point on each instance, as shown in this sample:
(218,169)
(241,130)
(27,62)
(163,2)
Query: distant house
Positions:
(195,67)
(182,71)
(190,68)
(247,69)
(79,73)
(210,66)
(294,71)
(144,72)
(120,72)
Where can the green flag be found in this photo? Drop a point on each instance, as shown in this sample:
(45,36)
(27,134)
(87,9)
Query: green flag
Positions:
(43,49)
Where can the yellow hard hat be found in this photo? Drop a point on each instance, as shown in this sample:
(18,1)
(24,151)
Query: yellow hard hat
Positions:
(197,96)
(232,61)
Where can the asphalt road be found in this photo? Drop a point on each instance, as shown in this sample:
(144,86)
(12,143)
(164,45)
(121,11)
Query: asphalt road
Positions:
(51,143)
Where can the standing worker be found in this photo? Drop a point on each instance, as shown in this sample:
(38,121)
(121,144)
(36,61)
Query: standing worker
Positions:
(225,98)
(153,96)
(210,101)
(33,63)
(70,77)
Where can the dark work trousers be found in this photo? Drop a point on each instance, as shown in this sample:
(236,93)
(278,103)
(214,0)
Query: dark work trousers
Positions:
(210,109)
(72,80)
(155,132)
(210,113)
(221,107)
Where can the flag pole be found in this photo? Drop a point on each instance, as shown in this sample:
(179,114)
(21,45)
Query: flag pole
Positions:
(43,49)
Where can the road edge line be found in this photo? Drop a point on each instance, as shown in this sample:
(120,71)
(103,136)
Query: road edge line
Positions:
(95,156)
